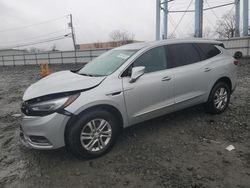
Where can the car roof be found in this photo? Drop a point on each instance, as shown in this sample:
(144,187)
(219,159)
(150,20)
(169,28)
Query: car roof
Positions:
(140,45)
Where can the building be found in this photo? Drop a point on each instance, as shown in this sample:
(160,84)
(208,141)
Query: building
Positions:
(106,45)
(11,52)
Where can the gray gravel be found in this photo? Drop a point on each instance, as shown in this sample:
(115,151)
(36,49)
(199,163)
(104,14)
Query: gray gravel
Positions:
(183,149)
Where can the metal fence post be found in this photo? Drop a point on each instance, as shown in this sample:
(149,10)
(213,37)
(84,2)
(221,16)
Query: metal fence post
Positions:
(90,54)
(3,60)
(248,47)
(75,58)
(49,57)
(24,59)
(36,58)
(13,58)
(61,58)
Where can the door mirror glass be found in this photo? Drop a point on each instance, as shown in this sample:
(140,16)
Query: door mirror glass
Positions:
(137,72)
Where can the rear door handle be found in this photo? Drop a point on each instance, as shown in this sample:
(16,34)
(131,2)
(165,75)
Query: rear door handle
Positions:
(166,78)
(207,69)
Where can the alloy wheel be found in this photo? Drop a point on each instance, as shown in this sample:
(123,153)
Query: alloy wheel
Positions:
(96,135)
(220,98)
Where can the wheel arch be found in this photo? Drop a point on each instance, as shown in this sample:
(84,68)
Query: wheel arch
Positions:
(225,79)
(113,110)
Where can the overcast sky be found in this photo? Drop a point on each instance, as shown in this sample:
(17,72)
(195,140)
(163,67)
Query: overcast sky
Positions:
(93,20)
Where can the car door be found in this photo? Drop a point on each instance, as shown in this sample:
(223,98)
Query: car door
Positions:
(152,94)
(191,74)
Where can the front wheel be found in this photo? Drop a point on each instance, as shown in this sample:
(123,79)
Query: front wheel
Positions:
(93,134)
(219,98)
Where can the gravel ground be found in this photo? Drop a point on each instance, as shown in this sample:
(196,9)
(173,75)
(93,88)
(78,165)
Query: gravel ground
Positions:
(183,149)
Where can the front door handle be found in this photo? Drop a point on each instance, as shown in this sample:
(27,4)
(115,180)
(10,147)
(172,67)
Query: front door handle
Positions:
(166,78)
(207,69)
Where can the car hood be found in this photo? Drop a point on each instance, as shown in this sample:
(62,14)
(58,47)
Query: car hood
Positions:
(63,81)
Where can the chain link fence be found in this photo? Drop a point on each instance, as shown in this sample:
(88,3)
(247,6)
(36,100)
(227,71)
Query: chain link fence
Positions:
(52,57)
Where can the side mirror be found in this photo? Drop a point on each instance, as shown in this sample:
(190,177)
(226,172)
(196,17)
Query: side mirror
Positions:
(137,72)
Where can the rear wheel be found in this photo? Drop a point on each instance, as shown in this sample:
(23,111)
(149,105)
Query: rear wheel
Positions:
(219,98)
(93,134)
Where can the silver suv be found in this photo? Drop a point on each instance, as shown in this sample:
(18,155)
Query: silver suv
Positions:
(86,109)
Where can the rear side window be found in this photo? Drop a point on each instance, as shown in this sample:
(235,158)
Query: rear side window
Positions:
(153,60)
(207,50)
(181,54)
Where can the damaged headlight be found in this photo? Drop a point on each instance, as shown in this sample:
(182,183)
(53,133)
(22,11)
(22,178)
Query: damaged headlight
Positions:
(48,106)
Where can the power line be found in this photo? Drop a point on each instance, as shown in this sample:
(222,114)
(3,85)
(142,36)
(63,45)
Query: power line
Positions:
(218,6)
(172,4)
(79,30)
(167,1)
(35,24)
(37,37)
(184,13)
(209,21)
(38,42)
(212,10)
(189,23)
(174,25)
(232,9)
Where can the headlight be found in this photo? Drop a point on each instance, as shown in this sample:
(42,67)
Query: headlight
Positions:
(48,106)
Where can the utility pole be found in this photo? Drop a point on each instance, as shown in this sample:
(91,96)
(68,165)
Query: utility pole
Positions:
(245,18)
(72,31)
(198,18)
(237,18)
(158,20)
(165,19)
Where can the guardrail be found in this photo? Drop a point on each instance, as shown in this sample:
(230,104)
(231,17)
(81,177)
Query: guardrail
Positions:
(53,57)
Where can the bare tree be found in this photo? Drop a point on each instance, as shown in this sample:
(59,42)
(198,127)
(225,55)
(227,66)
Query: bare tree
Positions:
(226,26)
(207,32)
(98,45)
(172,36)
(35,50)
(122,36)
(53,48)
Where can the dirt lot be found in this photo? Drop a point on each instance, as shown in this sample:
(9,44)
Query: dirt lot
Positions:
(184,149)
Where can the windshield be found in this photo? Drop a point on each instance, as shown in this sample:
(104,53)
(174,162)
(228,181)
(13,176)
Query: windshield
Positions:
(107,63)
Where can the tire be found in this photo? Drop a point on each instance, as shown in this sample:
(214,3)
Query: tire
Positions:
(219,98)
(238,55)
(93,134)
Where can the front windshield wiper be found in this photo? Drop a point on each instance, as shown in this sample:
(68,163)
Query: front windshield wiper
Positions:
(91,75)
(84,74)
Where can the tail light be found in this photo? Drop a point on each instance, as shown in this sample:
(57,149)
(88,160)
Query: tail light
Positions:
(236,62)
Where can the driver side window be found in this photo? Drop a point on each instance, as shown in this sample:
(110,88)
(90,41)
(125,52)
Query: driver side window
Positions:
(153,60)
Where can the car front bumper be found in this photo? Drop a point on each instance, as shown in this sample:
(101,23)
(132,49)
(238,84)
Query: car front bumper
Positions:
(45,132)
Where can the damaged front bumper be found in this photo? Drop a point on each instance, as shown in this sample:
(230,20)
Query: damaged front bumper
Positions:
(45,133)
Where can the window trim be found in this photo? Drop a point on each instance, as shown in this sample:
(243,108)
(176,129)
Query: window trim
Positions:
(139,55)
(164,45)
